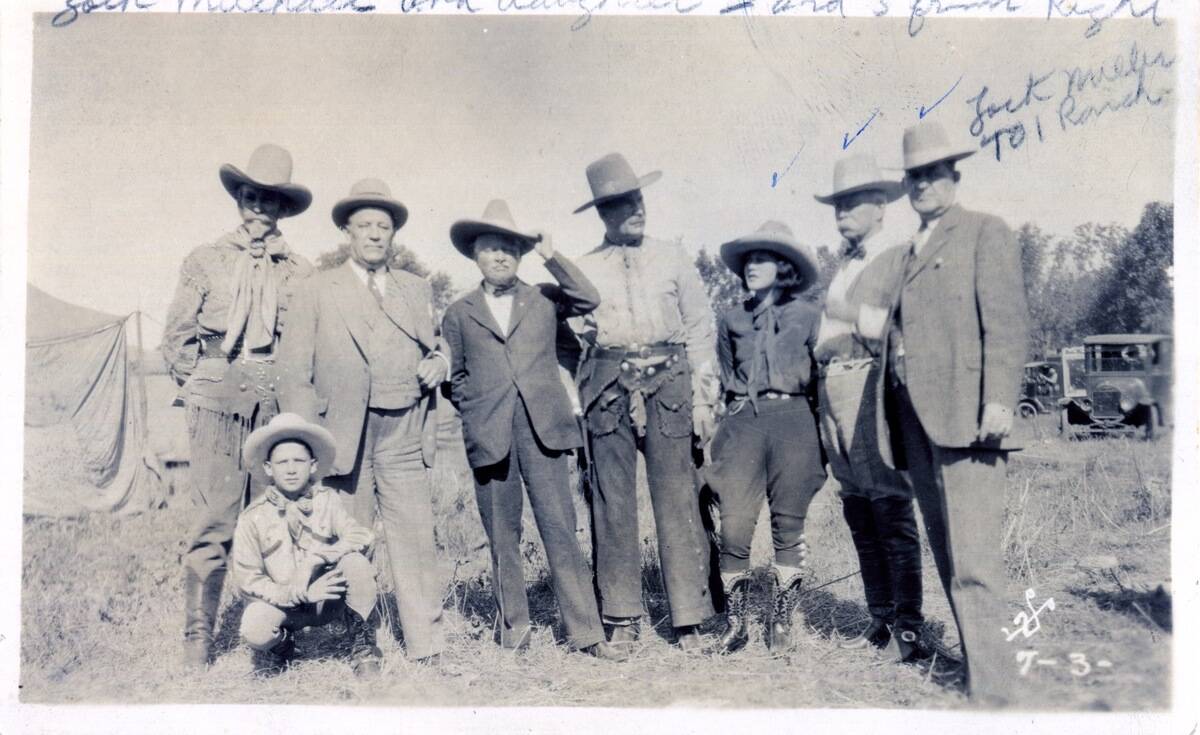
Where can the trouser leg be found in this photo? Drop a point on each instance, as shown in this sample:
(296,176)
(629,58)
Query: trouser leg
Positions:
(961,494)
(546,480)
(406,510)
(896,526)
(682,543)
(615,545)
(973,511)
(794,474)
(498,496)
(262,625)
(738,476)
(872,556)
(361,588)
(219,489)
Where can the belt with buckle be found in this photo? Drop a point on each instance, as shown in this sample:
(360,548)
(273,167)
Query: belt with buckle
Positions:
(635,352)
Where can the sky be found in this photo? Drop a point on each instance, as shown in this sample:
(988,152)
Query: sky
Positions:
(132,116)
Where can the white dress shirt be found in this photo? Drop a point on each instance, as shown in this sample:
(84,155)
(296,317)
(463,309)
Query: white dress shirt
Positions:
(501,308)
(364,276)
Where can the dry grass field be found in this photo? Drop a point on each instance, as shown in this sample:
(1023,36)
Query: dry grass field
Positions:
(1088,525)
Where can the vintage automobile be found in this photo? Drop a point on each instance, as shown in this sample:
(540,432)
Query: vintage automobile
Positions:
(1128,380)
(1048,381)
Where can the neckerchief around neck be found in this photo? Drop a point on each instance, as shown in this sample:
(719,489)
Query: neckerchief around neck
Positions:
(297,511)
(255,290)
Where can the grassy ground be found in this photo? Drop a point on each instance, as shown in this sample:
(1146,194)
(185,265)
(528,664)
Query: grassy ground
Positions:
(1088,525)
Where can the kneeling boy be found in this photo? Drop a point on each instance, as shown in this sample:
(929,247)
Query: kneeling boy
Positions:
(298,555)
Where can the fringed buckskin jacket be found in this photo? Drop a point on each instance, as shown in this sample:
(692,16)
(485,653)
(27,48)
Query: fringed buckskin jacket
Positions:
(227,389)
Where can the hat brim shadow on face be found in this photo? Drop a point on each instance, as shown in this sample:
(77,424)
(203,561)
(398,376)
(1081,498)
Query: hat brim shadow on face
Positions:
(928,159)
(297,198)
(642,183)
(734,252)
(464,232)
(891,190)
(261,440)
(348,206)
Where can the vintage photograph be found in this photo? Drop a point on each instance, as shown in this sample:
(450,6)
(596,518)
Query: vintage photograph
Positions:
(756,360)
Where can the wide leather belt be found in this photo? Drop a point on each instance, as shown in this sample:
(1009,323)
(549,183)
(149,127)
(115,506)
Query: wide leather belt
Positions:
(637,352)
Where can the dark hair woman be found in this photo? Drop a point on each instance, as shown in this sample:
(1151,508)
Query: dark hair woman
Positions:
(767,446)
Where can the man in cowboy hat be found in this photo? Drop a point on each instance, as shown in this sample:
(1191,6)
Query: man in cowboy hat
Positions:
(362,354)
(877,501)
(219,344)
(518,422)
(649,379)
(298,555)
(960,339)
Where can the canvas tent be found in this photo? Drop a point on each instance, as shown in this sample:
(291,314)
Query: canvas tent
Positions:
(86,447)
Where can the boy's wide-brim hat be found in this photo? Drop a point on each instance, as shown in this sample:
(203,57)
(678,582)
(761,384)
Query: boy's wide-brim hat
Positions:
(371,193)
(776,238)
(289,426)
(270,168)
(611,177)
(496,219)
(859,173)
(928,143)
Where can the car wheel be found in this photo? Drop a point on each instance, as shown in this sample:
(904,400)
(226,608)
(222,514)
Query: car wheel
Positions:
(1027,410)
(1152,423)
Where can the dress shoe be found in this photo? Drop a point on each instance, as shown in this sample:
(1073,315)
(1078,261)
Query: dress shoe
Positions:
(908,642)
(877,635)
(688,639)
(625,635)
(605,651)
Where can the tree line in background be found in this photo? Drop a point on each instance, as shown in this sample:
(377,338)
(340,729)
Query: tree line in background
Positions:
(1101,279)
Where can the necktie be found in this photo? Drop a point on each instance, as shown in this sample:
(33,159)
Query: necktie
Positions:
(373,285)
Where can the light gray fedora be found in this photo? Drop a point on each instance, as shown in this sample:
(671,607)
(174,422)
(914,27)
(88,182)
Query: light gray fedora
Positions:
(927,143)
(859,172)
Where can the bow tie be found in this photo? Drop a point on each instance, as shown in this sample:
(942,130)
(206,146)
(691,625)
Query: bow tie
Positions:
(854,252)
(507,289)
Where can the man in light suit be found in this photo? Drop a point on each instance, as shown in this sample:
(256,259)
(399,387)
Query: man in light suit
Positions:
(958,342)
(362,357)
(518,422)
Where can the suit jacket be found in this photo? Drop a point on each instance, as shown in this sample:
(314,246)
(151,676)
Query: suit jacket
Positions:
(322,354)
(965,322)
(492,368)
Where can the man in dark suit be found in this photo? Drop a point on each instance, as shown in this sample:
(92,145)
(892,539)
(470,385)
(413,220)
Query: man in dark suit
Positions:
(955,355)
(361,357)
(518,422)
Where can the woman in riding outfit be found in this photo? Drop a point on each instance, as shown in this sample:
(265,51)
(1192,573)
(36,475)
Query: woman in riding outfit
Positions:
(767,446)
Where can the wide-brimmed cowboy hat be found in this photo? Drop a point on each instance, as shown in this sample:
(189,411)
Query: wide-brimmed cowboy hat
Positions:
(289,426)
(369,193)
(270,168)
(612,176)
(496,219)
(775,238)
(860,173)
(927,143)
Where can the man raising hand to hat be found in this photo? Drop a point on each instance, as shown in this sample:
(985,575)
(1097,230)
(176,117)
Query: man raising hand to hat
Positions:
(649,380)
(518,422)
